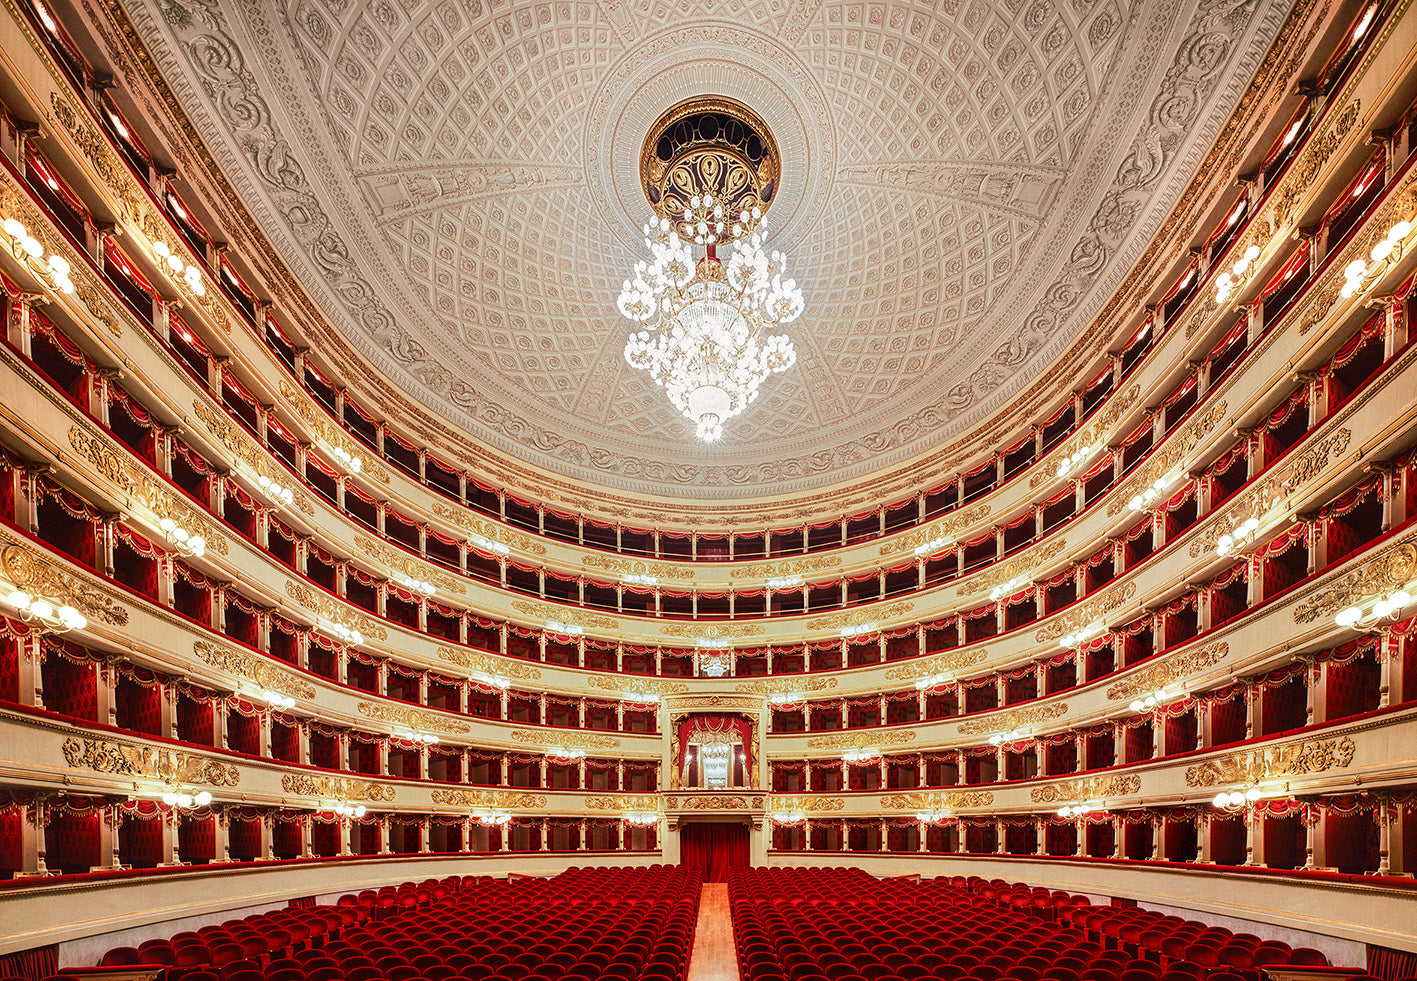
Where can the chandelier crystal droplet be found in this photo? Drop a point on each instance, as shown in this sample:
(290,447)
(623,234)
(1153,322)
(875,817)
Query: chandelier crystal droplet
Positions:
(705,326)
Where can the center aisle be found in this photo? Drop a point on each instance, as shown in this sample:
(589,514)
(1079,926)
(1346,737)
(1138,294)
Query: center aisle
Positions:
(714,958)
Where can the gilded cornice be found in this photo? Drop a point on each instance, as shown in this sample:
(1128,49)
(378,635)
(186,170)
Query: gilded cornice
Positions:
(490,531)
(1087,613)
(337,788)
(805,803)
(629,687)
(1392,568)
(400,561)
(546,613)
(715,802)
(1087,788)
(712,630)
(508,799)
(638,567)
(783,568)
(1092,433)
(791,685)
(247,451)
(1285,760)
(861,740)
(32,571)
(945,530)
(1173,668)
(254,668)
(548,739)
(420,720)
(934,664)
(1024,565)
(643,803)
(142,486)
(945,800)
(1166,459)
(303,407)
(148,762)
(489,664)
(861,616)
(335,611)
(1013,719)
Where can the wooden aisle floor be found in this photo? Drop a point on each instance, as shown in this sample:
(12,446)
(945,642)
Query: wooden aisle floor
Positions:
(713,957)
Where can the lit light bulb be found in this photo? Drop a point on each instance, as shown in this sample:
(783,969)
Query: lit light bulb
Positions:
(203,799)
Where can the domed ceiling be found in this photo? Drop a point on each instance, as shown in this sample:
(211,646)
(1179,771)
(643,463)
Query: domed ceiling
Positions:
(455,183)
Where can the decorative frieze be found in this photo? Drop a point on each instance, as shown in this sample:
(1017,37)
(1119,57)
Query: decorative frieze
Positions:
(936,664)
(716,802)
(1391,569)
(937,801)
(32,572)
(488,531)
(1088,788)
(400,561)
(1093,431)
(1019,566)
(1086,614)
(629,687)
(805,803)
(946,530)
(1172,669)
(797,685)
(305,409)
(248,452)
(337,788)
(1167,458)
(255,669)
(1271,491)
(494,799)
(148,762)
(489,664)
(564,614)
(637,567)
(397,715)
(852,619)
(786,567)
(139,484)
(564,740)
(643,803)
(1013,720)
(712,631)
(1285,760)
(862,740)
(335,612)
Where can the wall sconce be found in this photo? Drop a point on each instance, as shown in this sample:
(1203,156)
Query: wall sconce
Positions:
(344,809)
(56,618)
(862,755)
(1067,464)
(347,634)
(1360,273)
(29,250)
(185,800)
(1157,698)
(934,817)
(1078,810)
(1228,282)
(1144,500)
(1006,588)
(1385,610)
(420,586)
(1240,536)
(641,818)
(492,819)
(1012,736)
(788,817)
(1080,636)
(932,546)
(1236,800)
(173,263)
(182,540)
(352,462)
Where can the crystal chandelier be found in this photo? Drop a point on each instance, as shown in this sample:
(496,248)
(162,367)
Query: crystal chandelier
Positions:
(710,169)
(705,327)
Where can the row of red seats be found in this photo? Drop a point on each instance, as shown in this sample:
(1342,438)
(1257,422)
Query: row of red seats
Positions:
(843,925)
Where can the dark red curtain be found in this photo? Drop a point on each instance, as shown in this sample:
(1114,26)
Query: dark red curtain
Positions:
(715,847)
(35,963)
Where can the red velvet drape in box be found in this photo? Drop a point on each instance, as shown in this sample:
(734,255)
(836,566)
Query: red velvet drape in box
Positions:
(714,847)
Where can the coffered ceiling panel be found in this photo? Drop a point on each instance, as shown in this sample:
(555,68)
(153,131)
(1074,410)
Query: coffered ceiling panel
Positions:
(963,182)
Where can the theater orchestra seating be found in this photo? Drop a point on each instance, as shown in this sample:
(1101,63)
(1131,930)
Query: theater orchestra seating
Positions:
(581,925)
(844,925)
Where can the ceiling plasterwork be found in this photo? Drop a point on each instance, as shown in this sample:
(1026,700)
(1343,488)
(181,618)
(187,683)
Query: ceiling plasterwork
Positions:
(455,182)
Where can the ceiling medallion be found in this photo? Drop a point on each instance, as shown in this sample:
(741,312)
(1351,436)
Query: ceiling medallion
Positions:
(709,168)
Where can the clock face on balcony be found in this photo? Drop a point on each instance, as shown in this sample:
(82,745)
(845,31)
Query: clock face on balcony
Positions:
(459,187)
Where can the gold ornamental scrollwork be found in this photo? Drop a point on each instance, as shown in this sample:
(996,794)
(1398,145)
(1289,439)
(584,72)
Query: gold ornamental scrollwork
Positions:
(30,571)
(786,567)
(488,664)
(168,765)
(1169,671)
(805,803)
(1087,613)
(1091,788)
(334,611)
(1289,759)
(714,803)
(1093,431)
(712,631)
(856,618)
(1013,719)
(947,529)
(413,568)
(682,703)
(489,798)
(486,530)
(936,664)
(1167,458)
(863,740)
(625,802)
(139,485)
(637,567)
(411,718)
(1021,566)
(337,788)
(304,408)
(253,668)
(629,688)
(565,740)
(938,801)
(564,614)
(1391,569)
(248,451)
(786,686)
(1271,491)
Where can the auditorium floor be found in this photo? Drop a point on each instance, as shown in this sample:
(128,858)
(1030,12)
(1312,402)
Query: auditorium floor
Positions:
(714,958)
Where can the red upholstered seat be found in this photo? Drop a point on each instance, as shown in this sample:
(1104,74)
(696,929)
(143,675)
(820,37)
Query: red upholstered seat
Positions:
(120,956)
